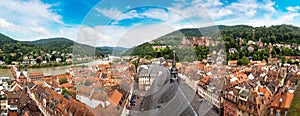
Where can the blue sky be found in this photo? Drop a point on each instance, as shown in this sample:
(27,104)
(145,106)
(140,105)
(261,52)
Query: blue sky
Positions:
(129,22)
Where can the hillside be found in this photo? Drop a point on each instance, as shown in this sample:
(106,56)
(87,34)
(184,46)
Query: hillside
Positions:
(274,34)
(13,50)
(59,44)
(6,39)
(53,43)
(279,33)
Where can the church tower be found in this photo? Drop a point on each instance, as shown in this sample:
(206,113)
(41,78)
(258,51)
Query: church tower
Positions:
(174,70)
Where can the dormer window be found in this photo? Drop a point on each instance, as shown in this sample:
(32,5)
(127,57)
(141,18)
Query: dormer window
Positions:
(278,113)
(271,111)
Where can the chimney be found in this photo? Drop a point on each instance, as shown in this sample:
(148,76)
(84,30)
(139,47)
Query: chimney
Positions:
(280,101)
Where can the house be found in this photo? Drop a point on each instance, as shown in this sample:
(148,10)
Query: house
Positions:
(273,61)
(14,98)
(32,61)
(250,49)
(69,60)
(44,62)
(232,63)
(232,50)
(281,103)
(58,59)
(22,79)
(4,83)
(250,42)
(210,88)
(25,60)
(33,76)
(147,74)
(3,104)
(56,104)
(229,102)
(144,79)
(15,86)
(100,102)
(2,63)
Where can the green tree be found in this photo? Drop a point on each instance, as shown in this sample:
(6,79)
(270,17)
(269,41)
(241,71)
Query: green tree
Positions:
(243,61)
(255,57)
(87,83)
(63,80)
(38,60)
(65,92)
(136,63)
(290,61)
(53,58)
(240,62)
(283,59)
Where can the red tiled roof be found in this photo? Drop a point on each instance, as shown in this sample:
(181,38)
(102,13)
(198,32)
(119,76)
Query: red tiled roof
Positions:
(12,113)
(36,74)
(116,97)
(286,100)
(67,85)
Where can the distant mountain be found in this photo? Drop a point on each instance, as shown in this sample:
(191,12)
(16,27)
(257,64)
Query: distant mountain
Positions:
(55,44)
(6,39)
(114,48)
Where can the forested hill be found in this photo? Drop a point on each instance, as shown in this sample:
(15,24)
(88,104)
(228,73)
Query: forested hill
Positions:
(274,34)
(56,44)
(6,39)
(63,45)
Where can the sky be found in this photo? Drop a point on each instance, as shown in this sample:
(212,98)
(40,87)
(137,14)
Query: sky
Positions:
(128,23)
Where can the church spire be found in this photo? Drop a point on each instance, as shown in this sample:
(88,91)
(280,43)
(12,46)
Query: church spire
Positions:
(174,70)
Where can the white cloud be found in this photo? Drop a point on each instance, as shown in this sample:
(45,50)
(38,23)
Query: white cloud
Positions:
(121,36)
(7,25)
(287,18)
(242,8)
(128,15)
(293,9)
(31,12)
(28,19)
(249,12)
(110,13)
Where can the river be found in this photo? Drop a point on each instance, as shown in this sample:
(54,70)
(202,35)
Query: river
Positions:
(51,70)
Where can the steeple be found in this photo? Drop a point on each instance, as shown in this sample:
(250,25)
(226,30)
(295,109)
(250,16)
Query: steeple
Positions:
(174,70)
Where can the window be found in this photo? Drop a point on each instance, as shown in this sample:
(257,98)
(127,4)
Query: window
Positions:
(271,111)
(278,113)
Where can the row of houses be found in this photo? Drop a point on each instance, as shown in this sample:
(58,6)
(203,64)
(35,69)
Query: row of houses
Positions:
(250,90)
